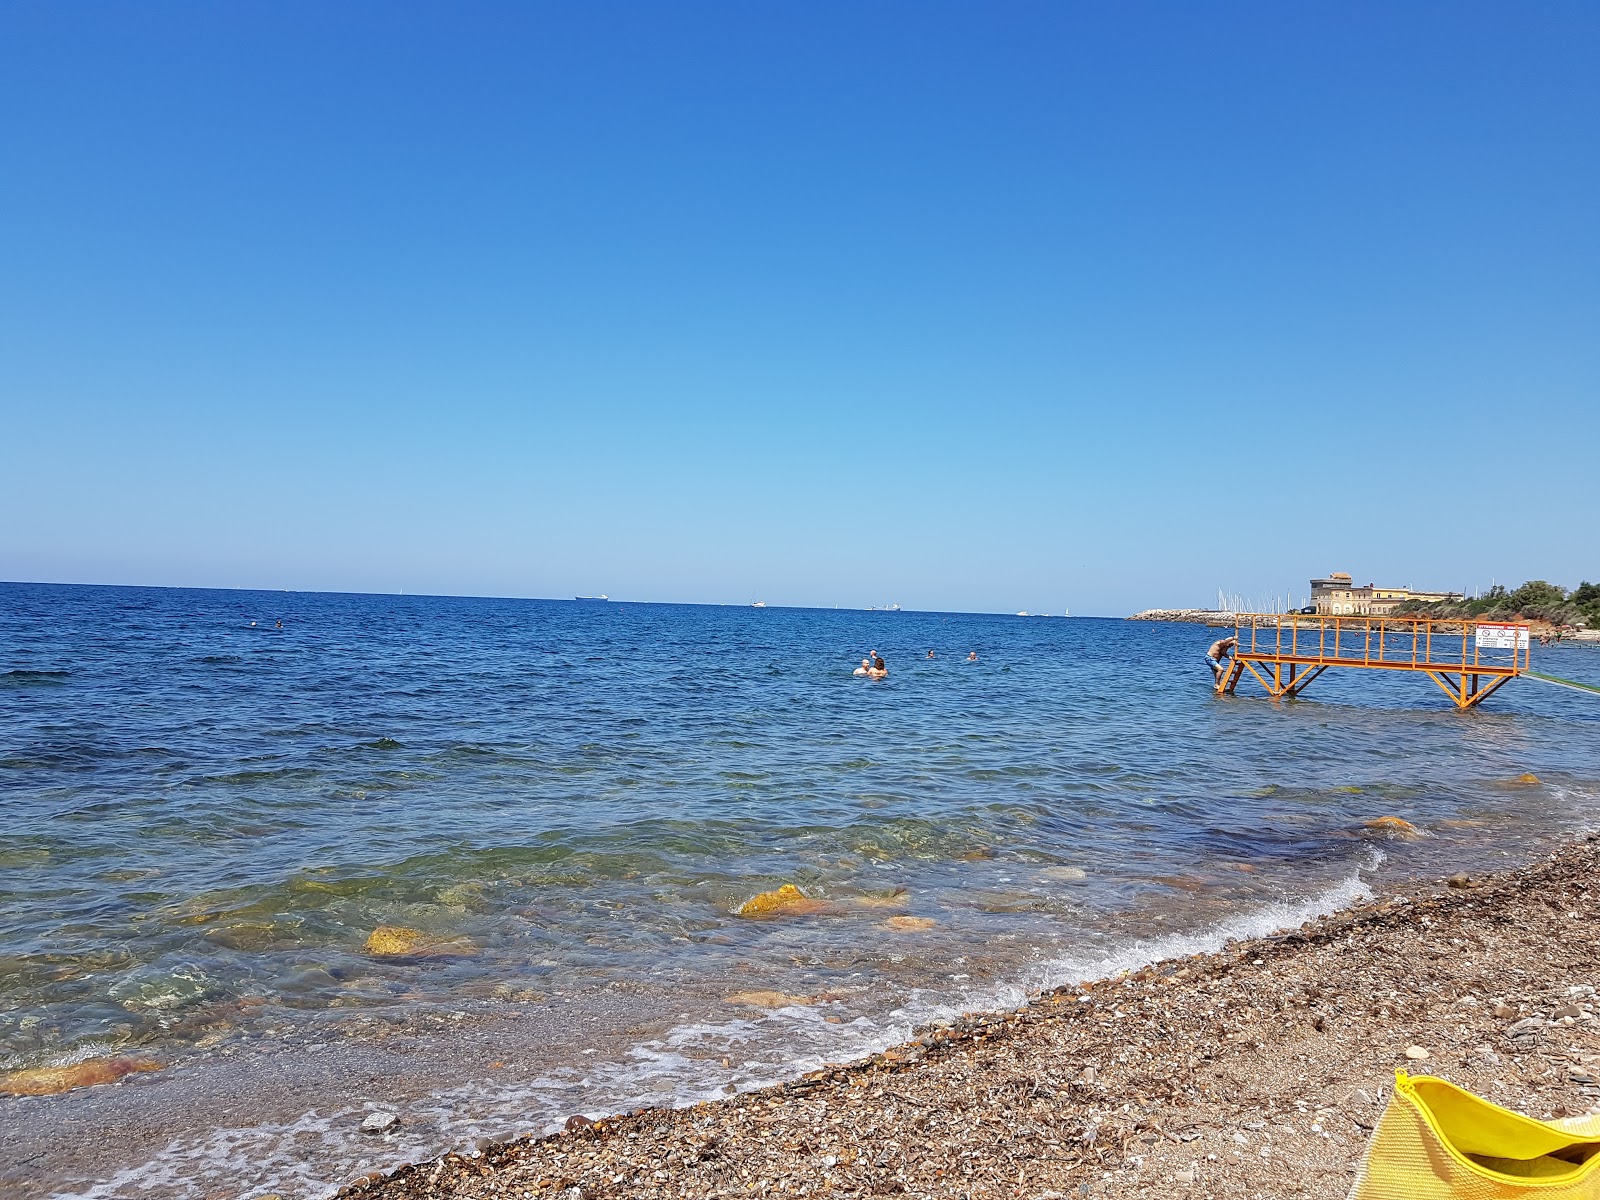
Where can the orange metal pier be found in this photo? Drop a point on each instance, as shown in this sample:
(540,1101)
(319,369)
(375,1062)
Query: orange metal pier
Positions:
(1469,660)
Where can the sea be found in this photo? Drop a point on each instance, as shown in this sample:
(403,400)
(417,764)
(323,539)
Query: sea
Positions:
(210,802)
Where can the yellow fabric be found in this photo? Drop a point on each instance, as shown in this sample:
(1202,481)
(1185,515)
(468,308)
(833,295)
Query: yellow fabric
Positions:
(1438,1142)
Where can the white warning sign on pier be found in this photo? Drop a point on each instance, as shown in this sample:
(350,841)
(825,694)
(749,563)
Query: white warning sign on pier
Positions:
(1502,637)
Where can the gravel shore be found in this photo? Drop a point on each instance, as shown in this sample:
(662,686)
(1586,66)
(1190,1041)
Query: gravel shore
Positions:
(1255,1071)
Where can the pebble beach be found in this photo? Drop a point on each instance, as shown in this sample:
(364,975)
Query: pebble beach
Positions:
(1257,1070)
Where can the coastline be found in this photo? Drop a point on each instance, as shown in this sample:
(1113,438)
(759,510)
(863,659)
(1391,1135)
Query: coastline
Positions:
(1218,619)
(1260,1067)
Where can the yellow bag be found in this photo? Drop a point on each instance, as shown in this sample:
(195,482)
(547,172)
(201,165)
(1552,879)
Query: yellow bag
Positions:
(1438,1142)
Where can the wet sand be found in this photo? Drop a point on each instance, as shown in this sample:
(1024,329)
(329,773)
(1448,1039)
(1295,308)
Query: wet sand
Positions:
(1257,1070)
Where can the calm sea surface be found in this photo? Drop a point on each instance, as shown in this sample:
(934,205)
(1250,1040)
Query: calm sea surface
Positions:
(205,816)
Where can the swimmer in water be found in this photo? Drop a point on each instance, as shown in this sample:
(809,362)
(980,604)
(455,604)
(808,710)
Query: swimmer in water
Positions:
(865,668)
(930,653)
(972,656)
(879,671)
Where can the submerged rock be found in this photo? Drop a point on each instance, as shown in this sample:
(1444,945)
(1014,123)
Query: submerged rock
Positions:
(898,898)
(787,900)
(50,1081)
(1065,874)
(379,1122)
(1395,825)
(397,941)
(765,999)
(909,924)
(1527,777)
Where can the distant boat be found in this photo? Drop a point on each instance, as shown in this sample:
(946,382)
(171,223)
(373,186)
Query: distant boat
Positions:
(758,604)
(593,599)
(1022,614)
(875,608)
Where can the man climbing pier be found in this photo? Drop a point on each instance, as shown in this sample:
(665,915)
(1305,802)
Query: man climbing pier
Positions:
(1217,656)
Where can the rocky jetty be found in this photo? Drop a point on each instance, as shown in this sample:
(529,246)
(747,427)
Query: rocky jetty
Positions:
(1194,616)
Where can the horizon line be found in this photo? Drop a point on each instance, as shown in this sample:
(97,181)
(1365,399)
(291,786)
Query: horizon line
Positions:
(184,587)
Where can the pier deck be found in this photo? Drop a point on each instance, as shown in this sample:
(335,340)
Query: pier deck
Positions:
(1469,660)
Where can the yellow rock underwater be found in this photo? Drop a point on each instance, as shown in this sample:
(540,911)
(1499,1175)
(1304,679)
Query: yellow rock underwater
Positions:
(1395,825)
(909,924)
(786,901)
(50,1081)
(397,941)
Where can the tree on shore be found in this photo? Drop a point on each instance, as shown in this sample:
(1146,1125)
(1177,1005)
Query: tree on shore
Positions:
(1535,600)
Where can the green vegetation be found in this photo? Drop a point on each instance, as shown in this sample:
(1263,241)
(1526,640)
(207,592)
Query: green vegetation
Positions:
(1535,600)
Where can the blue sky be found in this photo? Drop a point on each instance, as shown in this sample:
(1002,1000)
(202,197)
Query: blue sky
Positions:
(961,306)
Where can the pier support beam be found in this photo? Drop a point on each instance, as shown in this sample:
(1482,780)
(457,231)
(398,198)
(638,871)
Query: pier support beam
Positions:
(1467,691)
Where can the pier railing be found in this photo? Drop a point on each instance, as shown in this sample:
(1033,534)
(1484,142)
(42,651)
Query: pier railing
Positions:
(1468,659)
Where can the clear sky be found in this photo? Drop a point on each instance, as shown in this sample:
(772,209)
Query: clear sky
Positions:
(966,306)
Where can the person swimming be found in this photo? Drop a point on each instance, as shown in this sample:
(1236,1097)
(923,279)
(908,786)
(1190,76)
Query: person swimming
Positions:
(865,668)
(972,656)
(879,671)
(930,653)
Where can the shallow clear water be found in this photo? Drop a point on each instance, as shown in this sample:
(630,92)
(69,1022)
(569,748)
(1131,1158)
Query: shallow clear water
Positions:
(205,819)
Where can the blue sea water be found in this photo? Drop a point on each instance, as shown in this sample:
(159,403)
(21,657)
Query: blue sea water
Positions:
(205,817)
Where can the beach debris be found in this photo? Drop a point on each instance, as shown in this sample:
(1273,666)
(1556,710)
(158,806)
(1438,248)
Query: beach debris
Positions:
(51,1081)
(766,999)
(1417,1053)
(1398,826)
(909,924)
(379,1122)
(784,901)
(398,941)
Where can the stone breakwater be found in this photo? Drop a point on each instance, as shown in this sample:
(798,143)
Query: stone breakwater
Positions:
(1195,616)
(1258,1069)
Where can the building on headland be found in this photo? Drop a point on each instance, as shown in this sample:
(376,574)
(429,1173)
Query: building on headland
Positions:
(1338,596)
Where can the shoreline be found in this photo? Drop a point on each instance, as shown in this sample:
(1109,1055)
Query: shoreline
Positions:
(1259,1067)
